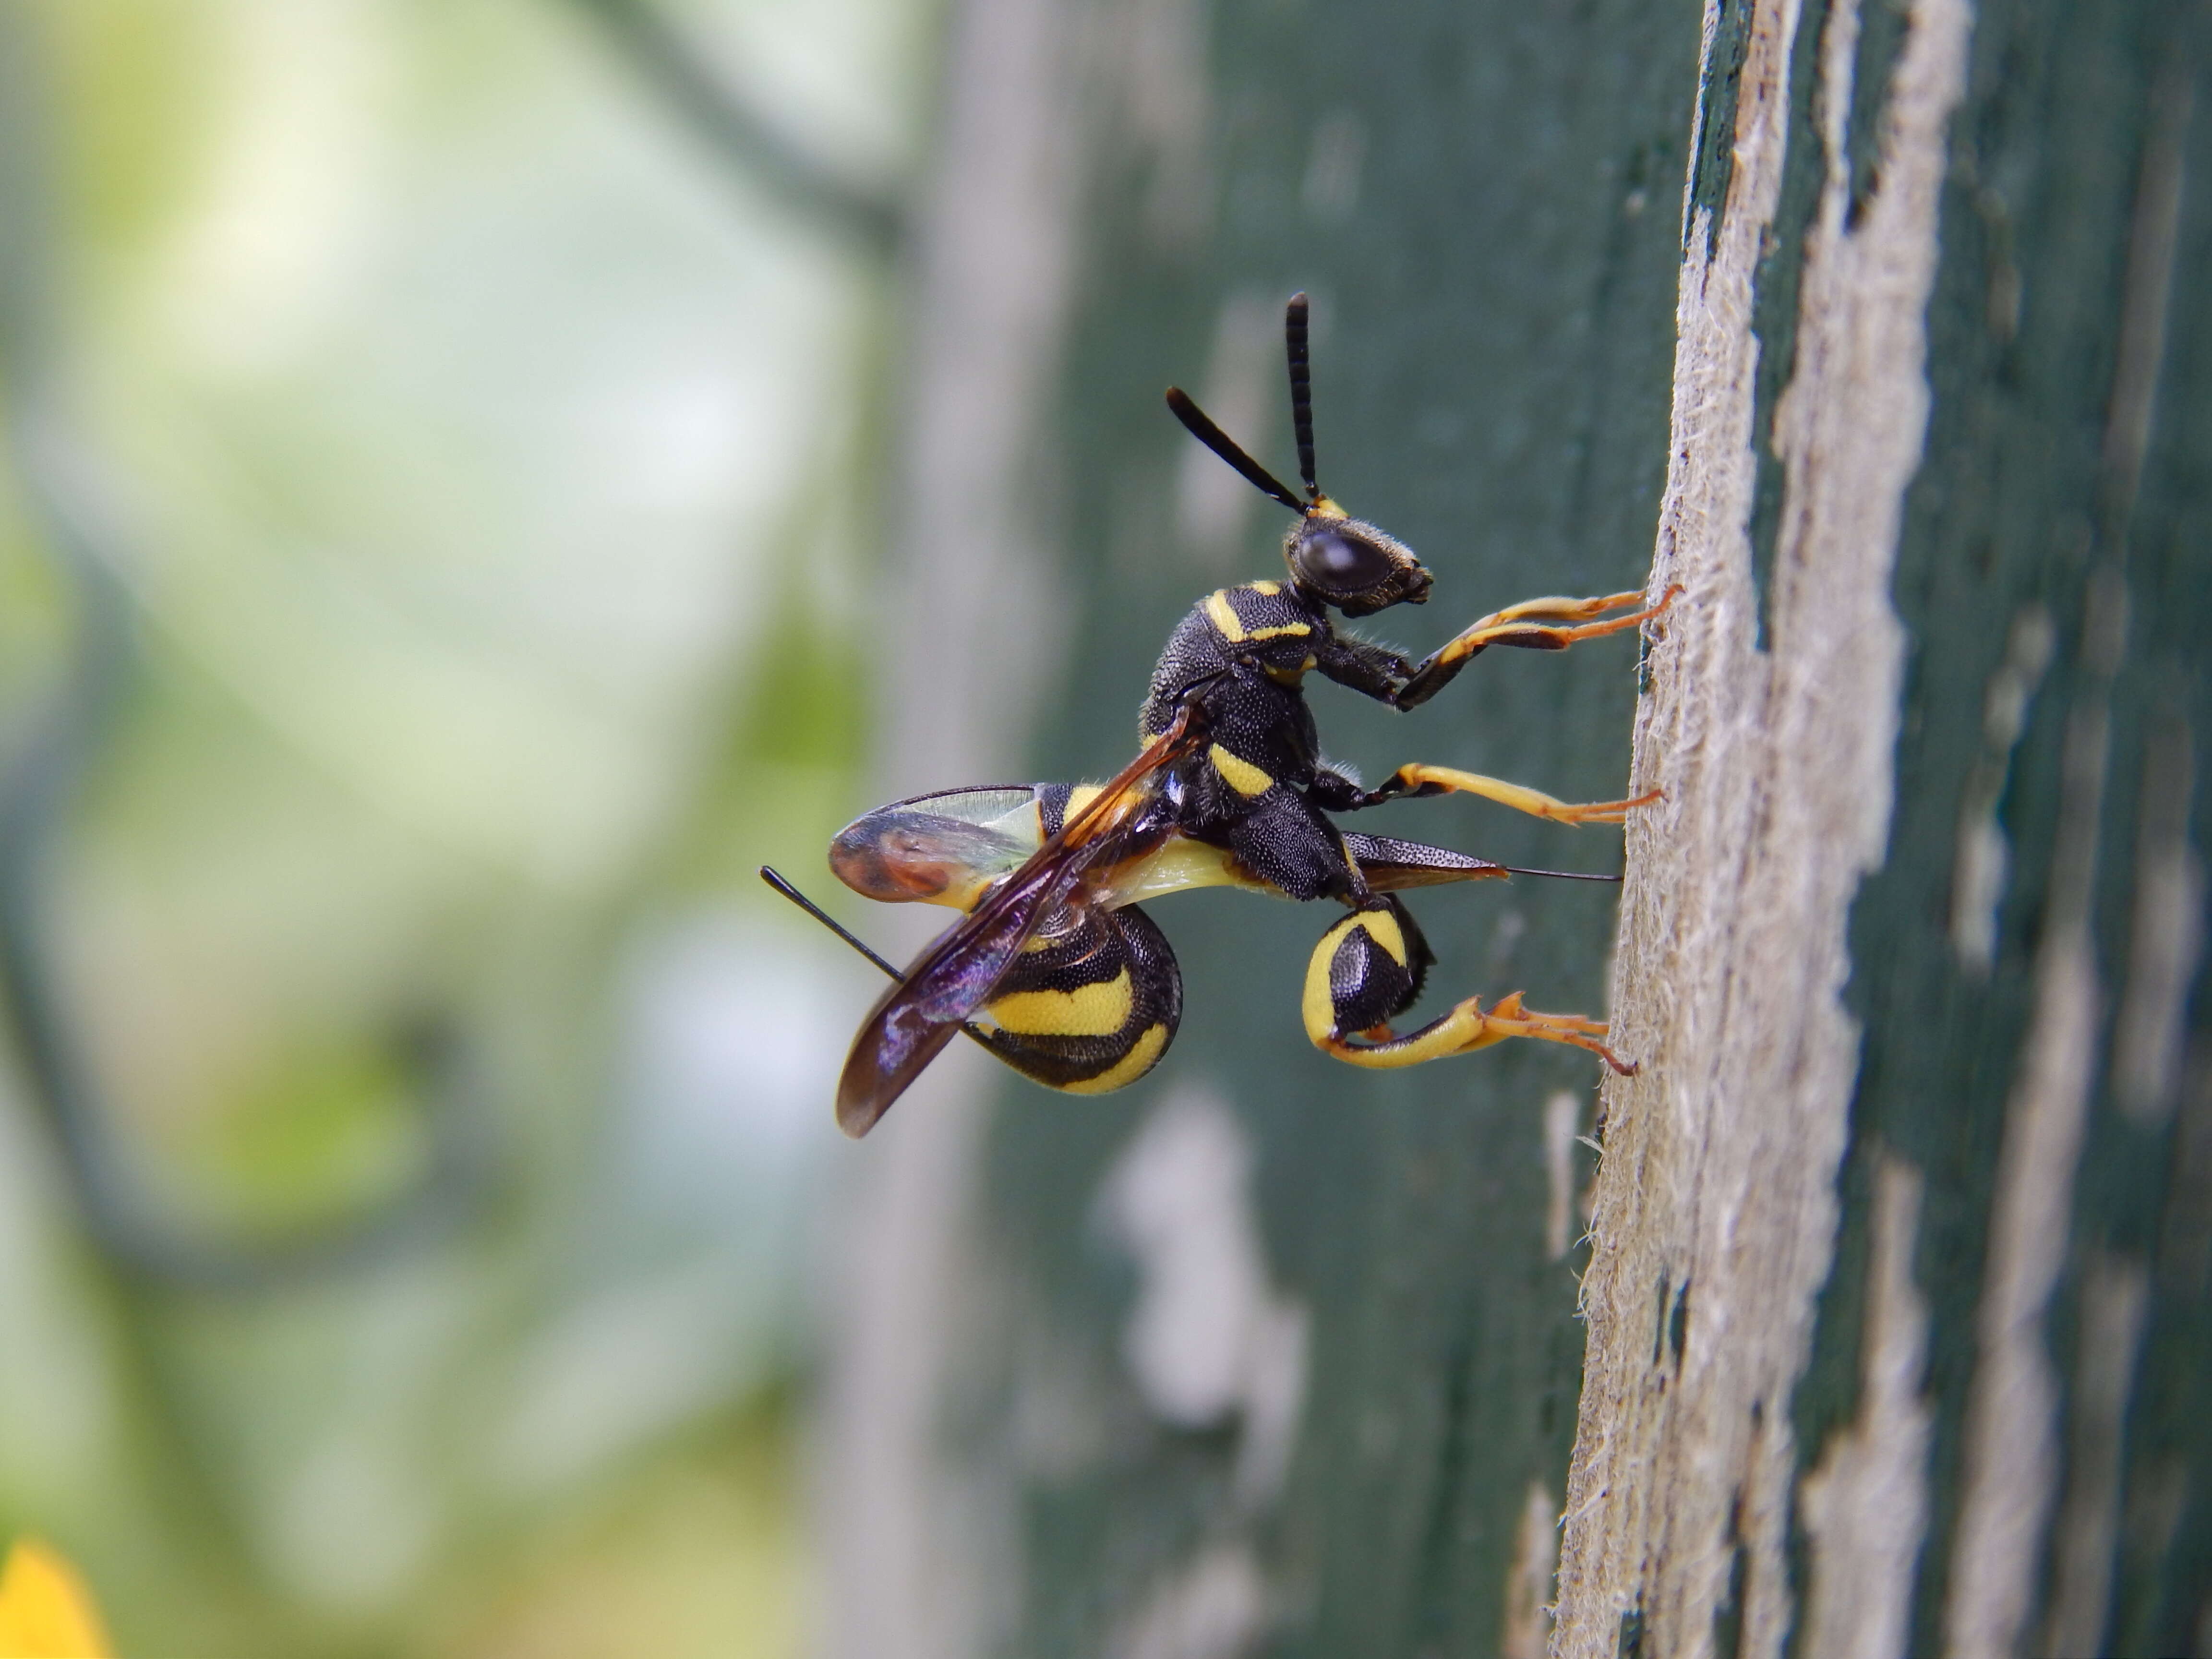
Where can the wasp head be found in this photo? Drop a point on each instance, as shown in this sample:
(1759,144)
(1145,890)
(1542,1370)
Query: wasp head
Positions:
(1350,564)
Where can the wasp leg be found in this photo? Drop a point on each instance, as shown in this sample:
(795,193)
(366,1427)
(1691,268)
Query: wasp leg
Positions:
(1547,624)
(1369,967)
(1366,970)
(1468,1028)
(1415,780)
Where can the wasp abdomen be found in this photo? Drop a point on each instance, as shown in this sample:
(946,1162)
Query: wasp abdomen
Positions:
(1091,1004)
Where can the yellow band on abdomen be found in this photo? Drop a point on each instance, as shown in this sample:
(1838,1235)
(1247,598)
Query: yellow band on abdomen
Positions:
(1126,1070)
(1098,1010)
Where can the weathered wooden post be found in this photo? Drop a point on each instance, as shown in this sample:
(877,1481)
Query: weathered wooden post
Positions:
(1894,320)
(1896,1302)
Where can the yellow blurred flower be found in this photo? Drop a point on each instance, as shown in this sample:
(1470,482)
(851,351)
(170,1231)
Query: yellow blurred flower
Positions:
(46,1610)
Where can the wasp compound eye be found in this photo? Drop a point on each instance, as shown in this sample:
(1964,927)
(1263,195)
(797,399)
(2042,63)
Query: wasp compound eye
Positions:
(1338,562)
(1355,566)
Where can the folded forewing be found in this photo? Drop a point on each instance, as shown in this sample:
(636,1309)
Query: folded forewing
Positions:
(956,974)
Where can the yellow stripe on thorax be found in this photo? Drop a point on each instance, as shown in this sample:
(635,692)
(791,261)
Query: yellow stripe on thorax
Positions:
(1098,1010)
(1246,779)
(1231,626)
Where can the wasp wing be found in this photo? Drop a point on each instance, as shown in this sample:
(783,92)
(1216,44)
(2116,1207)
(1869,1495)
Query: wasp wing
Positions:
(956,974)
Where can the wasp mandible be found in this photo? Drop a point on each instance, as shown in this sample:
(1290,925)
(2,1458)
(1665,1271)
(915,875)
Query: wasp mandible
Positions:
(1054,966)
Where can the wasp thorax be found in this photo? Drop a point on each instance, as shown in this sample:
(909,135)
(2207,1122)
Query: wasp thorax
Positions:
(1354,566)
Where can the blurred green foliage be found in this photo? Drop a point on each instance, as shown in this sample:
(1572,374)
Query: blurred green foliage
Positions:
(483,470)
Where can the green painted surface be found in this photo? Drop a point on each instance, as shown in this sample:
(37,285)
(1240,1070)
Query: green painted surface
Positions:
(2017,508)
(1496,303)
(1495,309)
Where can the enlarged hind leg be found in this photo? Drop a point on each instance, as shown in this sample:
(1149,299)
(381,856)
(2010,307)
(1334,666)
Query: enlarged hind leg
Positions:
(1368,967)
(1366,970)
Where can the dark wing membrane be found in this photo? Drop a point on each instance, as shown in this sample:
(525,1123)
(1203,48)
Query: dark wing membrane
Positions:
(956,974)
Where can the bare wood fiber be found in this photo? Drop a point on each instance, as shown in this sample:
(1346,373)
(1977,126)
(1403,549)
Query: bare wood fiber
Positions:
(1714,1206)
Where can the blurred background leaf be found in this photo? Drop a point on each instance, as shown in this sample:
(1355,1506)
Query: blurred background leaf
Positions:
(442,479)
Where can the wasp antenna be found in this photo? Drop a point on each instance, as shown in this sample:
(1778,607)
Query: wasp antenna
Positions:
(1195,421)
(1294,344)
(1560,875)
(774,878)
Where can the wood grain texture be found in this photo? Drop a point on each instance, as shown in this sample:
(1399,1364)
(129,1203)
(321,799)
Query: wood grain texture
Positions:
(1718,1180)
(2061,508)
(1892,319)
(1896,1162)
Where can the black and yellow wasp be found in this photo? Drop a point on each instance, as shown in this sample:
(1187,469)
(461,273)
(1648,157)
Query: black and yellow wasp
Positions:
(1055,967)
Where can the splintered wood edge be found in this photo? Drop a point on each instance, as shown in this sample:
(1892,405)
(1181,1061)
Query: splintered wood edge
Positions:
(1716,1202)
